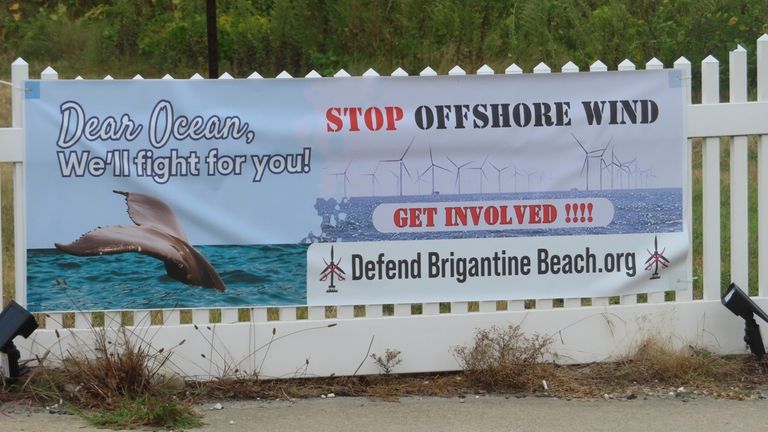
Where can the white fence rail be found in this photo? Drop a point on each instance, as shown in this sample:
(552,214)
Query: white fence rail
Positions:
(311,341)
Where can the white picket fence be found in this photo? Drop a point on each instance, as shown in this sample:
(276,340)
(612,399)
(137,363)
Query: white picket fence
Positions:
(320,341)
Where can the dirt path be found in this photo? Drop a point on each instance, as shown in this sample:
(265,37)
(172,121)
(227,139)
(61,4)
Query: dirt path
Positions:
(486,413)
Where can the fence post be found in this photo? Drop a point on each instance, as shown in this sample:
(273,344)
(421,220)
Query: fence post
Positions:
(653,64)
(762,171)
(19,74)
(685,291)
(737,83)
(572,302)
(710,94)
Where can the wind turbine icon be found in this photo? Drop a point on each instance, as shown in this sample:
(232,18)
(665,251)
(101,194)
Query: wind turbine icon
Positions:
(591,154)
(432,166)
(482,172)
(498,171)
(402,166)
(345,176)
(458,173)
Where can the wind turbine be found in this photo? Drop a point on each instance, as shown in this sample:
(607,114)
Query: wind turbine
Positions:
(398,180)
(458,172)
(374,179)
(590,154)
(627,166)
(432,166)
(420,180)
(402,165)
(346,178)
(623,167)
(482,172)
(515,175)
(529,174)
(604,166)
(498,171)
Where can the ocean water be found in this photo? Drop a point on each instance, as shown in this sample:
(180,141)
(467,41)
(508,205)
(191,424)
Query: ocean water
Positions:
(254,275)
(274,275)
(635,211)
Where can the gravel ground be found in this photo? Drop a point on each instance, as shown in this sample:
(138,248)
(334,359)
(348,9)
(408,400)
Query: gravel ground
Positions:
(486,413)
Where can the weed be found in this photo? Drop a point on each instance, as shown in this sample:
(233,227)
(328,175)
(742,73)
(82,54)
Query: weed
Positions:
(145,411)
(655,360)
(388,361)
(120,382)
(504,359)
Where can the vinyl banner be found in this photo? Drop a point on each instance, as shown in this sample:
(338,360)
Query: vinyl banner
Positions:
(232,193)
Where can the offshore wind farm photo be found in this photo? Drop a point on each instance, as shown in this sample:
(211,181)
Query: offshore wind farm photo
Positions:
(418,173)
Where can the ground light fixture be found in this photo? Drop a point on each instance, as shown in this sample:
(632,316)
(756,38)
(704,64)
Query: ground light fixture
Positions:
(14,321)
(738,302)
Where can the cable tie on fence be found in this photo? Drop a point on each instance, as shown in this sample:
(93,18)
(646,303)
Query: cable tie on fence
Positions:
(9,84)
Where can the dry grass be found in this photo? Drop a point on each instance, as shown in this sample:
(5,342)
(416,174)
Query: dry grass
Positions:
(505,359)
(117,368)
(116,385)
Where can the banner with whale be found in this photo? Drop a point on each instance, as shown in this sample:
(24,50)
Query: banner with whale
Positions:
(150,194)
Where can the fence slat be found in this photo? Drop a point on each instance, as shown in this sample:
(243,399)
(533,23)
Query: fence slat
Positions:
(230,315)
(762,171)
(654,64)
(258,314)
(345,312)
(316,313)
(171,317)
(403,309)
(487,306)
(710,94)
(288,313)
(572,302)
(430,309)
(113,319)
(200,316)
(600,301)
(685,284)
(373,311)
(141,318)
(459,307)
(83,320)
(737,65)
(54,321)
(628,299)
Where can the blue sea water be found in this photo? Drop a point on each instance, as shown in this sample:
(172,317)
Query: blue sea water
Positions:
(254,275)
(635,211)
(273,275)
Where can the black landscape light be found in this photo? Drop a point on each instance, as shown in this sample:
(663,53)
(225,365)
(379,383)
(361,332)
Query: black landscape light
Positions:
(738,302)
(14,321)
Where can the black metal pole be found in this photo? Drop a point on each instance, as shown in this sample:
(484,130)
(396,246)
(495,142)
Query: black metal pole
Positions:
(213,42)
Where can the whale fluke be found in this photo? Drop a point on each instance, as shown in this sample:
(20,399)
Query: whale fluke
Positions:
(158,234)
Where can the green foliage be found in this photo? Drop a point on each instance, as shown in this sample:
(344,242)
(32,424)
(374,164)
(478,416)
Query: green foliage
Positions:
(169,36)
(388,361)
(145,411)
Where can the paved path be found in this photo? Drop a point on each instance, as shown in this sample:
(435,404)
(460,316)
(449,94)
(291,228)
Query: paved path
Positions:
(487,414)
